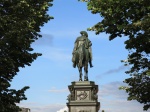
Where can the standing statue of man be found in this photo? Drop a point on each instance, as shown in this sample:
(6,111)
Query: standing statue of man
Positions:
(82,41)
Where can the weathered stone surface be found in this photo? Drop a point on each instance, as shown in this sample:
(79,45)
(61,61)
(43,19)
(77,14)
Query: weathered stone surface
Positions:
(83,97)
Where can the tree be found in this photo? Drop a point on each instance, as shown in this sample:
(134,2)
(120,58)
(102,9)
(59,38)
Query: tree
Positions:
(130,18)
(20,22)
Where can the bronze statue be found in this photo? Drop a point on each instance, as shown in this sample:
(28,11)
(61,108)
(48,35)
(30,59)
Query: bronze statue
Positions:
(82,54)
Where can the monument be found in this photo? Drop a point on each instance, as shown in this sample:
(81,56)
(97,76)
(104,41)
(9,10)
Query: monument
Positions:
(83,93)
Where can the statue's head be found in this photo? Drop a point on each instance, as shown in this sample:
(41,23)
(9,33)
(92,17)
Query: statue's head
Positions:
(84,33)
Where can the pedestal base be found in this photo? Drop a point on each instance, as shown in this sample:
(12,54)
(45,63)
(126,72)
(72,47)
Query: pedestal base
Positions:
(83,97)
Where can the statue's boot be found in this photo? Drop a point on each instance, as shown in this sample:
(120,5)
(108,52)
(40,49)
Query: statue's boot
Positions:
(85,78)
(80,77)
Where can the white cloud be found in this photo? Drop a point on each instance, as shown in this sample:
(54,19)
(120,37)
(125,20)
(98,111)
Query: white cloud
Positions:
(63,109)
(114,100)
(35,107)
(46,40)
(56,54)
(62,33)
(120,105)
(115,70)
(112,89)
(54,90)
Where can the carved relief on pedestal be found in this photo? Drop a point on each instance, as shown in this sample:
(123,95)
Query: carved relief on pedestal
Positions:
(82,95)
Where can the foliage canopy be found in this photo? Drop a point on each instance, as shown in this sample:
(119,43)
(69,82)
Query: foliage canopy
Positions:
(20,22)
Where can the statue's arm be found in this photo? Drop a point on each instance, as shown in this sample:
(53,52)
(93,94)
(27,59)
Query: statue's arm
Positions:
(90,51)
(90,43)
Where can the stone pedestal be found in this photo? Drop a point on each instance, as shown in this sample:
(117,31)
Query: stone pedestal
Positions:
(83,97)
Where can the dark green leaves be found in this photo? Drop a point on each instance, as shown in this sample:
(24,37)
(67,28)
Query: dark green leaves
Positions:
(20,22)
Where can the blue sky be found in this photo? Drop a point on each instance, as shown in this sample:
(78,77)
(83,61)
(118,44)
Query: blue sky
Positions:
(50,75)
